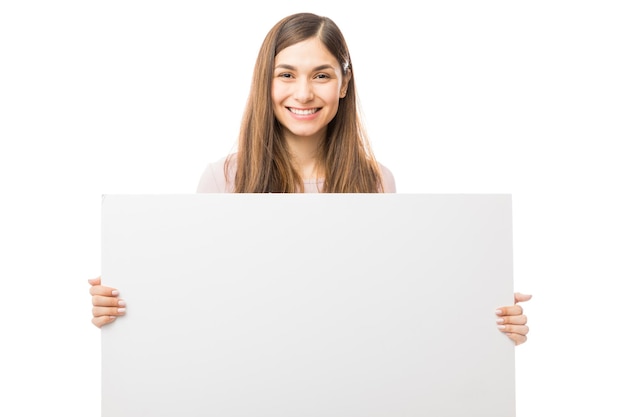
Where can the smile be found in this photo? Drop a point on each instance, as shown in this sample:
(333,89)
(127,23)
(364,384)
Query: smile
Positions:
(303,112)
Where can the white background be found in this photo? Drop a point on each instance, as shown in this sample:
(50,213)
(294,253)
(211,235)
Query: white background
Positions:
(134,96)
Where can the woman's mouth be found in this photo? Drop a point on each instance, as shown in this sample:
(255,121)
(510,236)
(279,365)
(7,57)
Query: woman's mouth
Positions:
(303,112)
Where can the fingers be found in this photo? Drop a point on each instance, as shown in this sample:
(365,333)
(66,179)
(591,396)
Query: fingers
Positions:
(108,311)
(107,305)
(514,327)
(515,310)
(97,289)
(511,320)
(520,329)
(517,338)
(101,321)
(517,320)
(101,301)
(104,315)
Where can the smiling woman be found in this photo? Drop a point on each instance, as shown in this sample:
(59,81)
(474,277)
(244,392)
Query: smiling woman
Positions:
(301,132)
(305,94)
(301,129)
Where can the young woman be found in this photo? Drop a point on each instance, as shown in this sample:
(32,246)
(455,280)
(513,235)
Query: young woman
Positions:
(300,132)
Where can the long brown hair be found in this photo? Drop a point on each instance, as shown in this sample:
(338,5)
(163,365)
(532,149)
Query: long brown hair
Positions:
(263,158)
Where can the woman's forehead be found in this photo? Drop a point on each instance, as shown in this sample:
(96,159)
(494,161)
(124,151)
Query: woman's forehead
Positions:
(307,53)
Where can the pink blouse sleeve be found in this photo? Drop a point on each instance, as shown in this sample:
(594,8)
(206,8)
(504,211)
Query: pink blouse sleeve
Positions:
(213,179)
(389,182)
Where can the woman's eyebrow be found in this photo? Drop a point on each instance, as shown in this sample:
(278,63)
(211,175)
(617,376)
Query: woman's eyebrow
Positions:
(292,68)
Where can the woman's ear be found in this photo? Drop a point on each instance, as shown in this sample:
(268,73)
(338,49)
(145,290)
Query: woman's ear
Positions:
(345,80)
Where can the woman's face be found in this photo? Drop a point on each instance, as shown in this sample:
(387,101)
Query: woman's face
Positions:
(306,89)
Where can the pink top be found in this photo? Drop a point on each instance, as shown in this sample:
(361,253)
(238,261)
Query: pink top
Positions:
(213,180)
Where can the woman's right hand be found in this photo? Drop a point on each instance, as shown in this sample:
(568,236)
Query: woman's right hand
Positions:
(107,305)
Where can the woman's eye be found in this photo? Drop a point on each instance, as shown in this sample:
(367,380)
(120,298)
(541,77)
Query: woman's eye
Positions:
(285,75)
(322,76)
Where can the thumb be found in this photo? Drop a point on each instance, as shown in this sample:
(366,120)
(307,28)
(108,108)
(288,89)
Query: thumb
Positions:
(94,281)
(519,297)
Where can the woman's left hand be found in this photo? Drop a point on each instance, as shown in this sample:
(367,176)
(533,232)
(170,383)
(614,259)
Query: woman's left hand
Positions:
(511,320)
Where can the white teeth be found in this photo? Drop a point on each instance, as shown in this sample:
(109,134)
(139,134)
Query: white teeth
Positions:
(302,112)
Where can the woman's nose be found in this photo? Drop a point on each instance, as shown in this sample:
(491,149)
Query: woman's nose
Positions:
(303,91)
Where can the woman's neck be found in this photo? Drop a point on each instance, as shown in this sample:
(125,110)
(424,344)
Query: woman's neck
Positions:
(306,154)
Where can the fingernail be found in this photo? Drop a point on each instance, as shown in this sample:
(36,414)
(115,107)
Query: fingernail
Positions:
(501,327)
(121,303)
(112,317)
(498,312)
(115,293)
(499,320)
(121,310)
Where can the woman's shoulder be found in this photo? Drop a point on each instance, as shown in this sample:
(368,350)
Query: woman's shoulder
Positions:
(389,182)
(218,175)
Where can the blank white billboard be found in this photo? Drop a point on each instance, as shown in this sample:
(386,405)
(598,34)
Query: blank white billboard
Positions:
(294,305)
